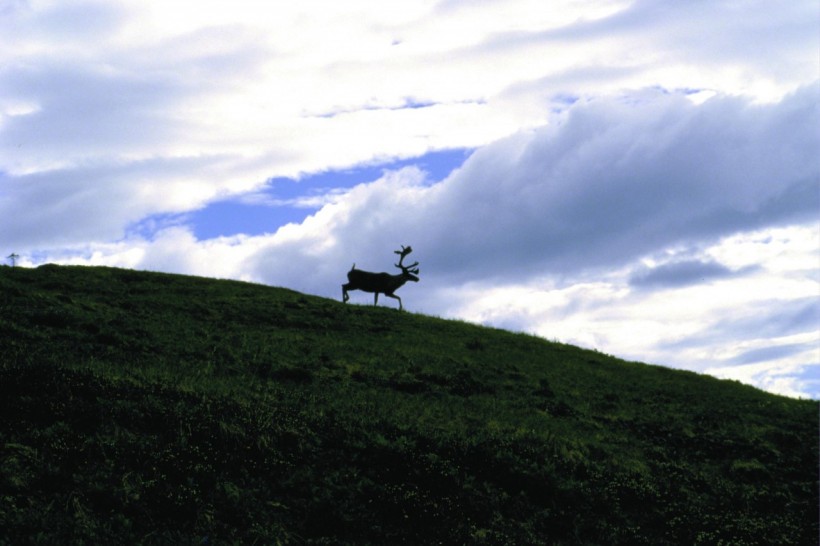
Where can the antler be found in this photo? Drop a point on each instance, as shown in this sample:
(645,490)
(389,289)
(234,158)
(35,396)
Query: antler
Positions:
(405,250)
(406,268)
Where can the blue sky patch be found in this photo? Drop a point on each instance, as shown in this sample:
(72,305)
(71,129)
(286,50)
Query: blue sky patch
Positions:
(276,205)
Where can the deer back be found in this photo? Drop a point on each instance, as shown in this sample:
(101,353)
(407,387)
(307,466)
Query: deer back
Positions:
(374,282)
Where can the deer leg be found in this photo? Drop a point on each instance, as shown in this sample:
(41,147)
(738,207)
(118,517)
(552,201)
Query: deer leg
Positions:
(376,298)
(345,297)
(394,297)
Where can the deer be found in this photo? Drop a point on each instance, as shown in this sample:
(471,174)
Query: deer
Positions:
(382,283)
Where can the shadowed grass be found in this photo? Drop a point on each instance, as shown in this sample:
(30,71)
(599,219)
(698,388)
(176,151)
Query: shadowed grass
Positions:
(164,409)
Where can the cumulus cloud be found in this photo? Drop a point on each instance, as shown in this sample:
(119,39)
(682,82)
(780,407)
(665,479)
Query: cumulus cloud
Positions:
(610,182)
(241,94)
(617,179)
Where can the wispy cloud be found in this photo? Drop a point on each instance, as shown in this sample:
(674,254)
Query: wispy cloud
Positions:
(681,273)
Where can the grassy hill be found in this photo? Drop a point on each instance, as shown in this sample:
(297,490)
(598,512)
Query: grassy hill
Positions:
(145,408)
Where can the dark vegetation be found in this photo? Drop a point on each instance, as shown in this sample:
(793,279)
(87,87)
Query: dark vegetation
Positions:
(144,408)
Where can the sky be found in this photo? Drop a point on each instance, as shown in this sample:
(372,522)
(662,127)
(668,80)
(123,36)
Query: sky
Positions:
(637,177)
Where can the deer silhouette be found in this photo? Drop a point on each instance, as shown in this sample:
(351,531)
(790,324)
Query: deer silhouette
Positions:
(381,283)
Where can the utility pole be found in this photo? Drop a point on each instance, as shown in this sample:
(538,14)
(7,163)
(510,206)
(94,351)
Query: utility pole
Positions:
(13,257)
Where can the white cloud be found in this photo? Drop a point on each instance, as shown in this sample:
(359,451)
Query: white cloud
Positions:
(239,81)
(615,180)
(786,379)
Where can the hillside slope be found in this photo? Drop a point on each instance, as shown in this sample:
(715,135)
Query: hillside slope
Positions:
(163,409)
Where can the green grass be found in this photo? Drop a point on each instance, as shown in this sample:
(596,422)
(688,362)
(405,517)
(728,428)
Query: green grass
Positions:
(145,408)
